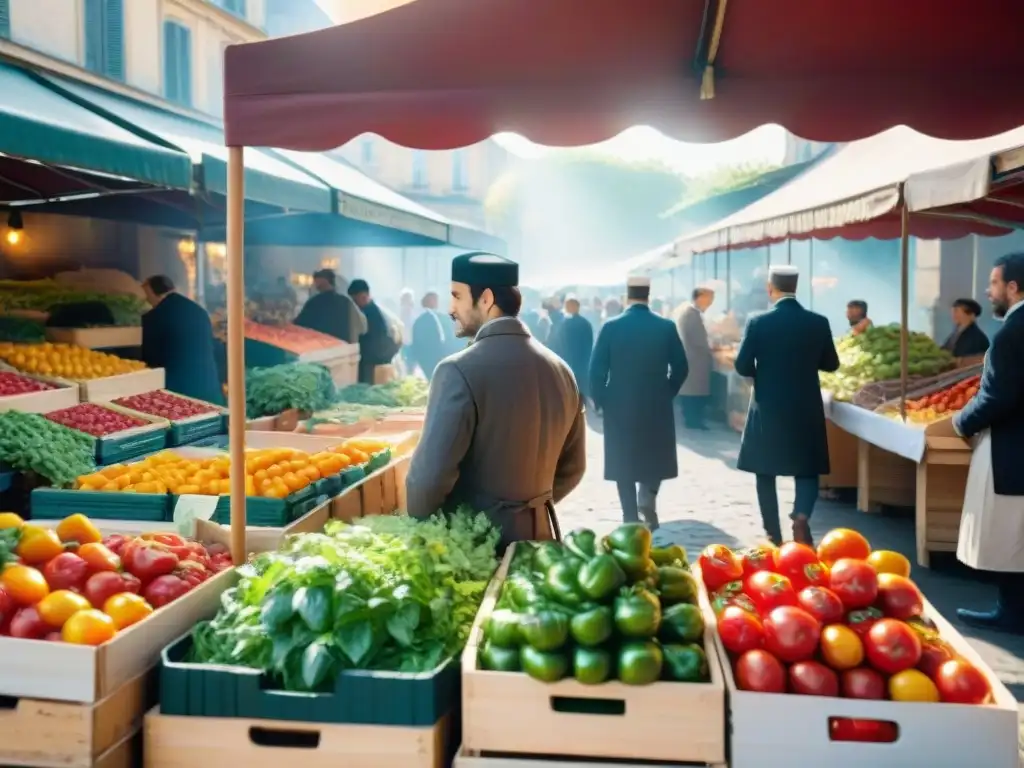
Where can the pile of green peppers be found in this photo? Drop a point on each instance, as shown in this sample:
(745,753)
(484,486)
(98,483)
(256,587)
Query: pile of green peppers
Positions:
(595,609)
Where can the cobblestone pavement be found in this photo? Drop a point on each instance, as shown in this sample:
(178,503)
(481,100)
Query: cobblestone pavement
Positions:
(712,502)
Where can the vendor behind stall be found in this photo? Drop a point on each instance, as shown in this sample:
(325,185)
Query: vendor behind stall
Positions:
(857,314)
(330,312)
(177,336)
(377,345)
(967,339)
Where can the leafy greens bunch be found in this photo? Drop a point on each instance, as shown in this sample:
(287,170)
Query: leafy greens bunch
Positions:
(305,386)
(384,593)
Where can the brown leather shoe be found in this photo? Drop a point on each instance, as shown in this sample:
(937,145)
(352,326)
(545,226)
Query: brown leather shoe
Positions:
(802,531)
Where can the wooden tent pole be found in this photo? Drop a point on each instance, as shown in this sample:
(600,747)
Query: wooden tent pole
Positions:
(236,346)
(904,306)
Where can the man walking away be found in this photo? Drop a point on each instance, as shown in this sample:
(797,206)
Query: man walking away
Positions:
(637,368)
(330,312)
(376,345)
(432,335)
(577,343)
(783,350)
(697,388)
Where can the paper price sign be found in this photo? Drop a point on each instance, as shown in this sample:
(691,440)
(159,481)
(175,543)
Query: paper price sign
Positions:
(191,507)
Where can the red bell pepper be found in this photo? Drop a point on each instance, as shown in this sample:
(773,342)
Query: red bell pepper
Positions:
(147,560)
(165,589)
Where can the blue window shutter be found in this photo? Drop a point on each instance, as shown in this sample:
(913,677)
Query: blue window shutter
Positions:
(94,35)
(185,64)
(5,18)
(114,39)
(177,63)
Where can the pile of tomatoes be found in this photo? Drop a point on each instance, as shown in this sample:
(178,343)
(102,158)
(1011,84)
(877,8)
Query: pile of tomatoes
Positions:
(72,584)
(839,621)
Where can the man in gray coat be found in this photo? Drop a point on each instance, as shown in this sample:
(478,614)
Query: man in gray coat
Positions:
(637,368)
(696,389)
(505,431)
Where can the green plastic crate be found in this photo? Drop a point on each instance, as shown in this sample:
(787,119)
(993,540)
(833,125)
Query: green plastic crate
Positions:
(111,450)
(379,460)
(56,504)
(359,697)
(193,431)
(332,485)
(265,513)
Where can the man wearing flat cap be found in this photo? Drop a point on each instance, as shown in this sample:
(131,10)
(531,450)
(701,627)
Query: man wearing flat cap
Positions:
(505,431)
(636,370)
(783,350)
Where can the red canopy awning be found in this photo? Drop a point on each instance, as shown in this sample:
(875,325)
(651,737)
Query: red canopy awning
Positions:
(438,74)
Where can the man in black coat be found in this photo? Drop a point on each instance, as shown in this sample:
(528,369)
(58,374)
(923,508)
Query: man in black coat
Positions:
(177,336)
(576,343)
(992,526)
(636,370)
(432,336)
(376,346)
(783,350)
(967,339)
(330,312)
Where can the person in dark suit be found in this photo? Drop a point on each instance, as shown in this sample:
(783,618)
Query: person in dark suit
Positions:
(783,350)
(432,335)
(636,370)
(967,339)
(177,335)
(577,343)
(992,524)
(376,345)
(330,312)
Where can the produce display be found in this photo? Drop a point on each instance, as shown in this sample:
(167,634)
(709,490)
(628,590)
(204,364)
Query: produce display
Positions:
(875,356)
(304,386)
(598,610)
(95,420)
(20,330)
(166,405)
(66,361)
(44,295)
(12,384)
(290,338)
(410,392)
(384,593)
(837,621)
(938,405)
(32,443)
(72,584)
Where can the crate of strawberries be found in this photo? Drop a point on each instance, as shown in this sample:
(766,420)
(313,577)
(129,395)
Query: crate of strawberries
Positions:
(76,604)
(19,392)
(119,434)
(841,643)
(190,419)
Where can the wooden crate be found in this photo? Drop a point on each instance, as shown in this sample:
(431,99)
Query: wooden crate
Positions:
(842,458)
(48,400)
(185,742)
(112,387)
(941,483)
(286,421)
(55,734)
(462,760)
(97,338)
(883,478)
(511,713)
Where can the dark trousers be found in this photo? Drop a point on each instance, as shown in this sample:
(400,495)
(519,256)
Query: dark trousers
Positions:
(1011,594)
(639,499)
(693,408)
(768,501)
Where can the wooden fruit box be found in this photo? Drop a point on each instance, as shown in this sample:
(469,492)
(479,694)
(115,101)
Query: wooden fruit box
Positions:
(941,484)
(185,742)
(134,442)
(97,338)
(64,396)
(842,458)
(188,430)
(462,760)
(932,735)
(54,734)
(112,387)
(883,478)
(511,713)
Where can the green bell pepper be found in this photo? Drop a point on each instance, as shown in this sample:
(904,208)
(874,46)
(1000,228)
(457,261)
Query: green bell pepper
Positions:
(503,630)
(499,659)
(636,567)
(673,554)
(681,623)
(547,554)
(561,583)
(546,666)
(582,542)
(591,666)
(522,592)
(640,662)
(685,663)
(637,613)
(630,538)
(676,585)
(592,627)
(601,577)
(545,630)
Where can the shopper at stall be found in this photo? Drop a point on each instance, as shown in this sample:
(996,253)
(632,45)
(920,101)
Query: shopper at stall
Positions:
(577,342)
(177,336)
(992,525)
(330,312)
(377,344)
(505,431)
(637,368)
(783,350)
(857,315)
(408,313)
(696,389)
(967,339)
(432,333)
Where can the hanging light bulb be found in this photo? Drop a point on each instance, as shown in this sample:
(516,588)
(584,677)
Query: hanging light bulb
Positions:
(14,228)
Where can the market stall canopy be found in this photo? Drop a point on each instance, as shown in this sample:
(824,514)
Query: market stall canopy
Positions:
(438,74)
(40,129)
(856,193)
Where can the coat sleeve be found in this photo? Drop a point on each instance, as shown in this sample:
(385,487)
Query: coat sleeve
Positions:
(678,367)
(746,358)
(572,462)
(829,358)
(447,433)
(1001,386)
(599,364)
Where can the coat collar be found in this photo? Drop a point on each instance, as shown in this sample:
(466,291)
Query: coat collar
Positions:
(638,308)
(501,326)
(786,302)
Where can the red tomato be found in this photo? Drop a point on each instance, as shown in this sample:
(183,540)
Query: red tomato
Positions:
(769,590)
(843,543)
(863,620)
(934,653)
(101,586)
(891,646)
(791,633)
(28,625)
(799,563)
(960,682)
(165,589)
(812,678)
(862,683)
(718,566)
(66,571)
(720,602)
(899,597)
(758,670)
(7,607)
(740,630)
(855,582)
(759,558)
(822,603)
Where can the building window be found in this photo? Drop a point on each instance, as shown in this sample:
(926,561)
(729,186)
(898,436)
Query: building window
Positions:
(5,18)
(419,169)
(104,37)
(366,153)
(236,7)
(460,171)
(178,63)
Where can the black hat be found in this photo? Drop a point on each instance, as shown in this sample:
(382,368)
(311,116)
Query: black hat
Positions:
(358,286)
(486,269)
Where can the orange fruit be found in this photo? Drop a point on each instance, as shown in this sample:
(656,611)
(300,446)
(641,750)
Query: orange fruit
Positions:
(842,543)
(24,584)
(126,609)
(38,545)
(841,647)
(886,561)
(912,685)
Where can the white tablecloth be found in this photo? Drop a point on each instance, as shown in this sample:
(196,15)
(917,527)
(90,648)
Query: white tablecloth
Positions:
(888,434)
